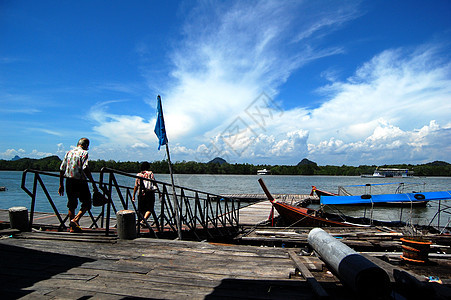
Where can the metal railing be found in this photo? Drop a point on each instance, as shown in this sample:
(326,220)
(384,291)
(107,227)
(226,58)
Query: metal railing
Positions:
(202,215)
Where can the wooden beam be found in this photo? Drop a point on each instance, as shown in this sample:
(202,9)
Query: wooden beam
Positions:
(311,280)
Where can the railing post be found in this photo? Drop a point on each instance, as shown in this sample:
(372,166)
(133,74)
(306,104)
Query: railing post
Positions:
(33,200)
(108,208)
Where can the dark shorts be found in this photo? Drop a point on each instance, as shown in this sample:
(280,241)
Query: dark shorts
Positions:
(146,202)
(78,189)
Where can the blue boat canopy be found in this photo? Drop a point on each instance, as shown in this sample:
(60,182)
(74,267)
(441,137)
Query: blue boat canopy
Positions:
(368,199)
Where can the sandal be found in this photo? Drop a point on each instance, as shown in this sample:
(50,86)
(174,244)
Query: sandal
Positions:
(74,227)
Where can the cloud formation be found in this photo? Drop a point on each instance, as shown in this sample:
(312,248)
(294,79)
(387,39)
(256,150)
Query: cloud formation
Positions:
(394,107)
(398,100)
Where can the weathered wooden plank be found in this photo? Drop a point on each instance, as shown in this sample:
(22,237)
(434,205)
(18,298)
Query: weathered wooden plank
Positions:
(317,288)
(388,268)
(146,287)
(249,269)
(69,238)
(48,293)
(313,263)
(118,266)
(9,231)
(149,268)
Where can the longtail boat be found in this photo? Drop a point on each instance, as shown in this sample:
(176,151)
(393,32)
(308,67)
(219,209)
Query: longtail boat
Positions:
(320,193)
(300,216)
(399,199)
(385,198)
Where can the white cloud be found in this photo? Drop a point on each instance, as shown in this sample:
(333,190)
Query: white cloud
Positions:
(396,101)
(122,130)
(11,153)
(48,131)
(225,60)
(389,144)
(236,54)
(39,154)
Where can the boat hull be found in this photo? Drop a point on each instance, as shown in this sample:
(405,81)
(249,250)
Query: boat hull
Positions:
(300,216)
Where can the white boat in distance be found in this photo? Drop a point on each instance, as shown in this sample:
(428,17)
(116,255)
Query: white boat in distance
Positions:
(389,172)
(263,172)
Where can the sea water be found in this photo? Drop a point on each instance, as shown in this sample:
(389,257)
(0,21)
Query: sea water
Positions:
(248,184)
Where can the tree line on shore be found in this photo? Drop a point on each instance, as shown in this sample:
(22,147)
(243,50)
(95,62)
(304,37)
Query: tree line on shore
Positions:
(305,167)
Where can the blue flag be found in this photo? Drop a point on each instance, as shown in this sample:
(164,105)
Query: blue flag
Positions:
(160,130)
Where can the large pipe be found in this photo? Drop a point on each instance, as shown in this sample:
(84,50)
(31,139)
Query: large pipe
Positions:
(364,277)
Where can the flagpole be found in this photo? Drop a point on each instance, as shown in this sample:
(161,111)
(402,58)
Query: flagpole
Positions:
(160,131)
(174,195)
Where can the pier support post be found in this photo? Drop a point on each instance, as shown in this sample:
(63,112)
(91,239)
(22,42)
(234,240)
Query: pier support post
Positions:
(366,279)
(18,218)
(126,224)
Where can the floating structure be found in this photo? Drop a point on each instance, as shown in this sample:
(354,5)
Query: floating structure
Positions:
(389,172)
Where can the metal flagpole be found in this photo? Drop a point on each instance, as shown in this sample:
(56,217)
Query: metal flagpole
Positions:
(174,195)
(160,131)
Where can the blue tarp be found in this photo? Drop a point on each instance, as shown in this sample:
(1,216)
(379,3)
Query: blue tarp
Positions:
(406,197)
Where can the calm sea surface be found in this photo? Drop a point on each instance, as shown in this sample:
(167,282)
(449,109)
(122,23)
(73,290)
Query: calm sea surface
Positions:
(247,184)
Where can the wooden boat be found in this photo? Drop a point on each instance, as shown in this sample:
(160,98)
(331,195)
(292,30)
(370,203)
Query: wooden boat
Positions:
(300,216)
(320,193)
(2,188)
(408,198)
(387,203)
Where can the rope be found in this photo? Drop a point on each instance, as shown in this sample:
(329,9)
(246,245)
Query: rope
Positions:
(410,221)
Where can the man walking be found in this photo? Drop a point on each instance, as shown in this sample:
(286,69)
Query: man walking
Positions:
(146,194)
(75,168)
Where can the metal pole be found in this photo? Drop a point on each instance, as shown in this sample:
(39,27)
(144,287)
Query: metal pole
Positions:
(176,202)
(439,213)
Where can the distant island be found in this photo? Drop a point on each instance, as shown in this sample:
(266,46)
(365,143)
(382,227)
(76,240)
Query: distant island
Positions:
(221,166)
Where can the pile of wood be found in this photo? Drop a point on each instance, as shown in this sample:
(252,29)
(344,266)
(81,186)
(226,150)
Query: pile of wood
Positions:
(372,239)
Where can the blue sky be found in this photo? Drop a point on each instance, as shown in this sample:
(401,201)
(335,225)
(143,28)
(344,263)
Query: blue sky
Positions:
(263,82)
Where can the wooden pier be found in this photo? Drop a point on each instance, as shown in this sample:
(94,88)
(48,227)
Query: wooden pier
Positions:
(264,262)
(62,265)
(76,266)
(257,213)
(290,198)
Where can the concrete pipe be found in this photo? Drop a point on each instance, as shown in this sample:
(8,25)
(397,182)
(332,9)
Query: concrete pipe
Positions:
(364,277)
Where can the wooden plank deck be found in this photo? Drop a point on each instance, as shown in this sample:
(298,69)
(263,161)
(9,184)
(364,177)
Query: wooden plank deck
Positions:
(50,219)
(61,265)
(256,213)
(51,265)
(290,198)
(250,215)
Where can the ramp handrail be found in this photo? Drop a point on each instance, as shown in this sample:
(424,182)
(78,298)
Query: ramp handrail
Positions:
(202,215)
